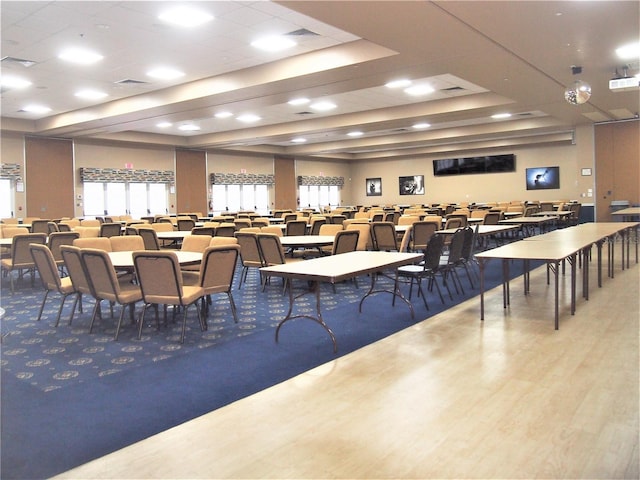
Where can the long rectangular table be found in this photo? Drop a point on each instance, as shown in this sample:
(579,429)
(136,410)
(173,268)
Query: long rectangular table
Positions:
(337,268)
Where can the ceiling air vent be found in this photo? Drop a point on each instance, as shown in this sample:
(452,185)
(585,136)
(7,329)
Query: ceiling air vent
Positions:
(304,113)
(129,81)
(19,61)
(525,114)
(452,89)
(303,32)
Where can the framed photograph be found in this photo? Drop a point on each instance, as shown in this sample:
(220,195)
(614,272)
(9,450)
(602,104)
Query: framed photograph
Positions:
(374,187)
(586,172)
(413,185)
(543,178)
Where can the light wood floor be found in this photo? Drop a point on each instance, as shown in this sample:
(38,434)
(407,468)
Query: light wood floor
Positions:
(450,397)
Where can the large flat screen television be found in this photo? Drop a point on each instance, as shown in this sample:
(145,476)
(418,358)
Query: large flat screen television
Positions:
(468,165)
(543,178)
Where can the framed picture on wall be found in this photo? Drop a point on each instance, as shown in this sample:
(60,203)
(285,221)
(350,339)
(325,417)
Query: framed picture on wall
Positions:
(411,185)
(543,178)
(374,187)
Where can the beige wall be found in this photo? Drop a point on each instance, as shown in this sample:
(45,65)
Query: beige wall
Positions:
(12,151)
(482,187)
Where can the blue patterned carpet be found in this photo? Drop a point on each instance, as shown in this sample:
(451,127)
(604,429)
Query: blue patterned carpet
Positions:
(69,397)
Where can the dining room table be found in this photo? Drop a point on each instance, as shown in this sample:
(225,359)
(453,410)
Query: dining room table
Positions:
(124,259)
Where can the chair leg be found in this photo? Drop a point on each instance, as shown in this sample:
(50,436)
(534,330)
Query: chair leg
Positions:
(234,311)
(78,296)
(93,316)
(124,307)
(141,319)
(44,300)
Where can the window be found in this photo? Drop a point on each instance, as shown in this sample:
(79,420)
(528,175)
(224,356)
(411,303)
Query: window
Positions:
(231,198)
(137,199)
(319,196)
(6,198)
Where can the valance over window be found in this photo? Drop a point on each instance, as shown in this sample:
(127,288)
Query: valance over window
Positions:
(326,181)
(11,171)
(242,179)
(116,175)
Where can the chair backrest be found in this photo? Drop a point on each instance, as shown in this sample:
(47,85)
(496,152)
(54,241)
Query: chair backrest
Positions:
(99,271)
(377,217)
(316,223)
(433,252)
(195,243)
(275,229)
(225,230)
(218,268)
(90,223)
(74,264)
(89,232)
(52,227)
(210,231)
(421,234)
(296,227)
(20,252)
(10,232)
(110,229)
(159,276)
(461,216)
(330,229)
(406,239)
(364,240)
(149,238)
(345,241)
(64,227)
(40,226)
(492,218)
(125,243)
(454,222)
(249,249)
(337,219)
(408,219)
(218,241)
(290,217)
(57,239)
(101,243)
(383,235)
(456,246)
(271,249)
(46,266)
(163,226)
(186,224)
(242,223)
(469,242)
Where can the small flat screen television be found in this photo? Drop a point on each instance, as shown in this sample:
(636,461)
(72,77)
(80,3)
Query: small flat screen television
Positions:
(470,165)
(543,178)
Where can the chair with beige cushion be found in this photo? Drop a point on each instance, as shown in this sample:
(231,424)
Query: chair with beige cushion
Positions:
(383,236)
(90,223)
(105,285)
(250,255)
(149,238)
(219,241)
(364,239)
(110,229)
(101,243)
(161,283)
(272,254)
(21,259)
(74,266)
(276,230)
(126,243)
(87,231)
(56,240)
(51,280)
(421,233)
(40,226)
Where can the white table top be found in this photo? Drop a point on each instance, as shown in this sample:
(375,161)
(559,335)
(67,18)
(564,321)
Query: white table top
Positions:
(336,268)
(307,240)
(125,259)
(627,211)
(483,229)
(174,235)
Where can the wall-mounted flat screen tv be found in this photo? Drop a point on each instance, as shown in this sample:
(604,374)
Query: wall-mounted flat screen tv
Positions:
(470,165)
(543,178)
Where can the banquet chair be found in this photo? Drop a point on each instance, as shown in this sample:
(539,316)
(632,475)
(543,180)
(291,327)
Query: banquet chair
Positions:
(427,269)
(64,227)
(51,280)
(161,283)
(449,262)
(126,243)
(275,229)
(90,223)
(110,230)
(225,230)
(316,223)
(422,232)
(194,243)
(40,226)
(383,236)
(21,258)
(56,240)
(186,224)
(272,254)
(260,222)
(105,285)
(250,255)
(337,219)
(209,231)
(364,239)
(455,221)
(296,227)
(219,241)
(216,275)
(52,227)
(74,266)
(101,243)
(149,238)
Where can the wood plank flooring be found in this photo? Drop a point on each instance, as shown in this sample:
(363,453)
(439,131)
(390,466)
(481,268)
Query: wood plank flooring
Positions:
(450,397)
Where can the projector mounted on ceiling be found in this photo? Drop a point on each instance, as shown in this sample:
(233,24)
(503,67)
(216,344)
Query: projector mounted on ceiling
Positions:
(624,84)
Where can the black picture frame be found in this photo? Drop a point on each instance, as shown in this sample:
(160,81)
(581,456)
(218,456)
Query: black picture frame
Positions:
(411,185)
(373,187)
(543,178)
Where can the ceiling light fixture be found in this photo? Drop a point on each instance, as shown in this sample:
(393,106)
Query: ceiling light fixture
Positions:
(164,73)
(355,134)
(630,51)
(14,82)
(249,118)
(323,106)
(189,128)
(418,90)
(501,116)
(275,43)
(404,82)
(577,92)
(298,140)
(223,114)
(298,101)
(164,124)
(185,17)
(418,126)
(81,56)
(36,109)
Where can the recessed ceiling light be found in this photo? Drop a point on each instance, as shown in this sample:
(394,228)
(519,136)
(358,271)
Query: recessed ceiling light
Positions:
(500,116)
(628,52)
(354,134)
(275,43)
(14,82)
(36,109)
(249,118)
(189,128)
(417,90)
(185,17)
(90,94)
(421,125)
(323,106)
(298,101)
(404,82)
(223,115)
(164,73)
(79,55)
(298,140)
(164,124)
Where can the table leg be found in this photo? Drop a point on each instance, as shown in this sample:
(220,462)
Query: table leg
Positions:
(315,288)
(396,292)
(599,246)
(481,268)
(556,272)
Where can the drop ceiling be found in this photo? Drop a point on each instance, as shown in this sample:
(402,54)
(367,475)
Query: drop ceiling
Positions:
(480,58)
